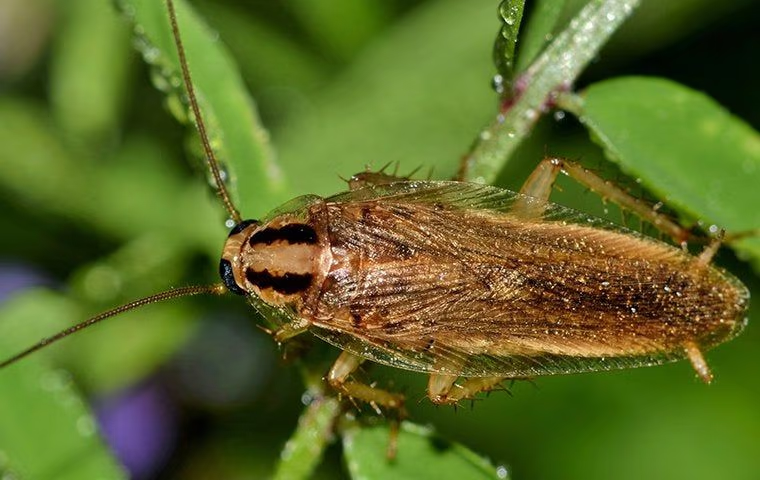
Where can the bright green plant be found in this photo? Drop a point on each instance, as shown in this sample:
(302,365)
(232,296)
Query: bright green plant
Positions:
(413,91)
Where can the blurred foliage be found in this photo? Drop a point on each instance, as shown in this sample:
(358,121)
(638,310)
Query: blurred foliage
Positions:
(99,201)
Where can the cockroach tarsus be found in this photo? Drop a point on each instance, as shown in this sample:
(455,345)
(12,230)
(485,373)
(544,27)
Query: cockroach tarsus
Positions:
(468,281)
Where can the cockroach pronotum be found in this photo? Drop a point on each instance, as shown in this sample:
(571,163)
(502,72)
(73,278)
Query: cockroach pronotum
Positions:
(461,280)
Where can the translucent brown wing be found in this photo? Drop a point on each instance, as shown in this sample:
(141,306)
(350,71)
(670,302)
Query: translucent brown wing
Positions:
(447,278)
(456,361)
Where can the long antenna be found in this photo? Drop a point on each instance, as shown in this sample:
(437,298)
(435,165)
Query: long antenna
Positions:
(218,289)
(213,164)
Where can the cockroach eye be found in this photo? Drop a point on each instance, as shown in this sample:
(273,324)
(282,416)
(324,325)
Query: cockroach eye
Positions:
(225,271)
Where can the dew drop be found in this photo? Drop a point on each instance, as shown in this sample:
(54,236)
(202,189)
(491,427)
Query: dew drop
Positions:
(86,426)
(229,223)
(54,381)
(502,472)
(497,83)
(224,174)
(531,114)
(158,78)
(559,115)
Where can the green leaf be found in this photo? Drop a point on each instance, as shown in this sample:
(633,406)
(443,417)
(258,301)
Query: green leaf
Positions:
(421,454)
(416,96)
(686,148)
(340,27)
(59,440)
(510,14)
(90,111)
(235,133)
(555,69)
(102,194)
(539,30)
(288,64)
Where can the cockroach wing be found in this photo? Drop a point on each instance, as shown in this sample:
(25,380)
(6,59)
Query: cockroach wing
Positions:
(473,280)
(297,208)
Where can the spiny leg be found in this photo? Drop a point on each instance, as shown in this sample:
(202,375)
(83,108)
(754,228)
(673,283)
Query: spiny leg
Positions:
(698,362)
(443,391)
(344,366)
(289,330)
(370,178)
(539,185)
(711,249)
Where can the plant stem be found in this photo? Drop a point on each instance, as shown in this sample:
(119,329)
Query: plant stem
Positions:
(553,71)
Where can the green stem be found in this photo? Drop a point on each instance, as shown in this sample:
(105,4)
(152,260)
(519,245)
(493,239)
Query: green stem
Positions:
(553,71)
(303,451)
(571,102)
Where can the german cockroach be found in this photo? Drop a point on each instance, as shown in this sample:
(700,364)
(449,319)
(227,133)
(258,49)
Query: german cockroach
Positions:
(461,280)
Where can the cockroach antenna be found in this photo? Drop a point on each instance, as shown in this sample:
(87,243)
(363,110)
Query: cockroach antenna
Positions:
(213,164)
(158,297)
(216,289)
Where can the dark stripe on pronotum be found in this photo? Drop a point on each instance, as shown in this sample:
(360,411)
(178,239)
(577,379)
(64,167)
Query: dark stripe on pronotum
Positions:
(225,271)
(241,226)
(286,284)
(291,233)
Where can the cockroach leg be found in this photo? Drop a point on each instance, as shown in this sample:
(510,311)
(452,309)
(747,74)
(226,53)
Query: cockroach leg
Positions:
(290,330)
(369,178)
(344,366)
(439,386)
(698,361)
(539,185)
(443,391)
(711,249)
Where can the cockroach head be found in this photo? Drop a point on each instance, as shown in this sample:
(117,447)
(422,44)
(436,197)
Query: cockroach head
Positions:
(278,260)
(235,239)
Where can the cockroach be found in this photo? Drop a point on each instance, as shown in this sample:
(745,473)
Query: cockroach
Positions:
(467,281)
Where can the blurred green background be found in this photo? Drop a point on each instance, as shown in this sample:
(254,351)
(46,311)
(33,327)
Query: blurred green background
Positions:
(100,205)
